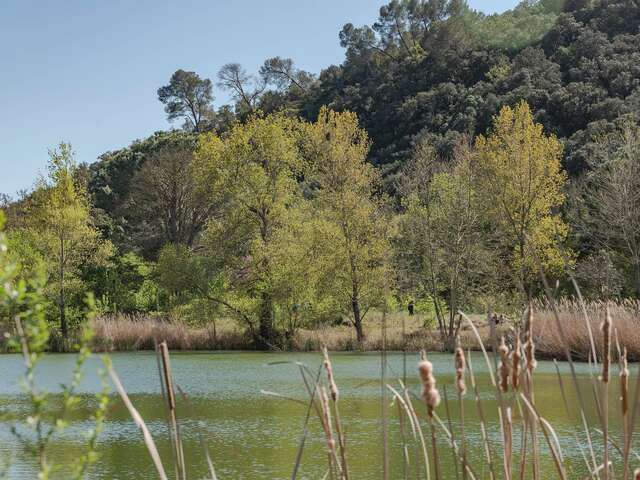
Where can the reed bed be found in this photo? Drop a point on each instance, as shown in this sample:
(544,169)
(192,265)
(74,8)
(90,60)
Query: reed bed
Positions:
(132,332)
(549,342)
(402,332)
(128,332)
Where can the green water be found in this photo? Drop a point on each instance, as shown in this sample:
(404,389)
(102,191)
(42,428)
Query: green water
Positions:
(254,436)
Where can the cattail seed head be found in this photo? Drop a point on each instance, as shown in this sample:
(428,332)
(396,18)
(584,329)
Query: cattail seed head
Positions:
(333,388)
(606,345)
(430,394)
(624,383)
(516,357)
(461,363)
(503,368)
(529,345)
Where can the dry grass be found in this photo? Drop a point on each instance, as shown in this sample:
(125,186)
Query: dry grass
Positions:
(626,323)
(403,332)
(128,332)
(140,333)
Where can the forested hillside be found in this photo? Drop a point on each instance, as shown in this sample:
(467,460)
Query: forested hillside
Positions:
(440,70)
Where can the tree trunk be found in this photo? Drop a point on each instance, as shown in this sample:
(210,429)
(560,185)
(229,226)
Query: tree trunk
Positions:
(266,332)
(357,319)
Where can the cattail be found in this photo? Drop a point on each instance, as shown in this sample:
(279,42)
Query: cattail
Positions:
(430,394)
(503,368)
(460,367)
(333,388)
(624,382)
(636,474)
(516,356)
(529,345)
(606,345)
(326,420)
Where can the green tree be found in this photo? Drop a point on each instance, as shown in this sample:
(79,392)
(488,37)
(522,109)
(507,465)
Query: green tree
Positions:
(354,223)
(189,97)
(252,175)
(440,249)
(520,183)
(60,228)
(21,300)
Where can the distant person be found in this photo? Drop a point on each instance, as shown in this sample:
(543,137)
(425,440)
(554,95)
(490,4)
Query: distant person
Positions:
(410,308)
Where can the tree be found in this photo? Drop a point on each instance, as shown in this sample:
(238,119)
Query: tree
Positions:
(440,250)
(60,228)
(353,219)
(282,73)
(111,186)
(245,88)
(612,198)
(166,204)
(252,175)
(189,97)
(520,183)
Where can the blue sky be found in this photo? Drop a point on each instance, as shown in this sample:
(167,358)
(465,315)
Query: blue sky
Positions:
(87,71)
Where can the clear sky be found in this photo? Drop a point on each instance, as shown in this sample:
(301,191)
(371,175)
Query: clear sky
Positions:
(87,71)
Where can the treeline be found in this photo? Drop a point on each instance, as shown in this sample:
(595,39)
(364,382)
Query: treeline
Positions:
(449,159)
(282,223)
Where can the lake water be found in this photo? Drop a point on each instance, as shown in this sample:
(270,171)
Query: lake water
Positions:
(254,436)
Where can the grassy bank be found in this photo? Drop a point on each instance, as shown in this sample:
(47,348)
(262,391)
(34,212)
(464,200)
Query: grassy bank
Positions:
(402,332)
(124,333)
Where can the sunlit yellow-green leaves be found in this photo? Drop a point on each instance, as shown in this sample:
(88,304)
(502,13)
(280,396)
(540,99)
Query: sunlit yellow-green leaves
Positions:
(520,183)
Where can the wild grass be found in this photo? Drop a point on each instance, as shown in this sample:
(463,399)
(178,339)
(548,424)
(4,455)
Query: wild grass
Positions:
(550,344)
(140,332)
(402,332)
(131,332)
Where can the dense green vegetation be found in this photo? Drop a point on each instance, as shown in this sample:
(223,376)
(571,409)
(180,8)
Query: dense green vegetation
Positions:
(449,158)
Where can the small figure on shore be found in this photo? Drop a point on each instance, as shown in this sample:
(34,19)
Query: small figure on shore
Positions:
(410,307)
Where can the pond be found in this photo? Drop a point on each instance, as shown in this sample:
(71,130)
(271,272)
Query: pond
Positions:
(255,436)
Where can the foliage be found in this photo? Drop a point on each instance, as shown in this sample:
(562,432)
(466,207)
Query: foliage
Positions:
(610,202)
(125,285)
(165,204)
(353,221)
(189,97)
(112,182)
(440,249)
(21,299)
(520,182)
(60,233)
(252,176)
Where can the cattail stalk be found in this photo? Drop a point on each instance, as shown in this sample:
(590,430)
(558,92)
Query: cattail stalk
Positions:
(431,398)
(335,395)
(624,400)
(167,379)
(328,430)
(460,365)
(606,367)
(530,365)
(503,368)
